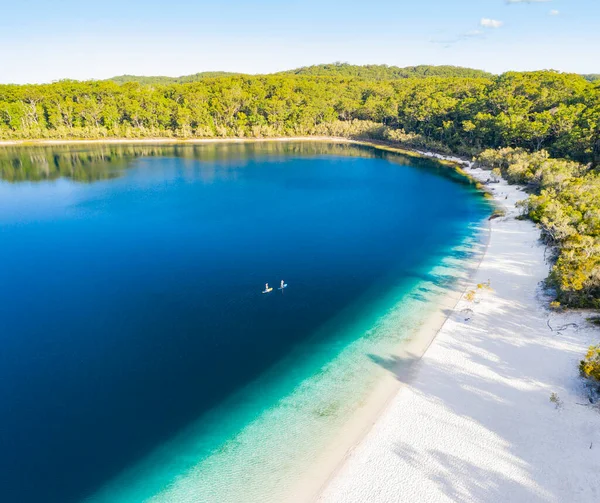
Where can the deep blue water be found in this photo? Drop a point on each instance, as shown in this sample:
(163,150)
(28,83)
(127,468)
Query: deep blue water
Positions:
(131,279)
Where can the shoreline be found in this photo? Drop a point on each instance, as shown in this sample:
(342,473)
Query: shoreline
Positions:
(445,435)
(309,485)
(456,163)
(407,354)
(379,144)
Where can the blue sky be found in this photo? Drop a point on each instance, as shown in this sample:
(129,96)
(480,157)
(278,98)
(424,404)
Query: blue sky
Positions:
(42,41)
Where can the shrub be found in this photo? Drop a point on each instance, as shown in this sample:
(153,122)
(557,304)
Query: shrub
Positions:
(555,399)
(487,285)
(470,295)
(497,213)
(564,201)
(590,365)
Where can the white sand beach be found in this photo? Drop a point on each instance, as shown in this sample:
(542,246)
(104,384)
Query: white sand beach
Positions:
(473,421)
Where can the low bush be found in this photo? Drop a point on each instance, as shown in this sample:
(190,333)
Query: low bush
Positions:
(590,365)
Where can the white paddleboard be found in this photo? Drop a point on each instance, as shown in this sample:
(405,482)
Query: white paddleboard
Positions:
(268,291)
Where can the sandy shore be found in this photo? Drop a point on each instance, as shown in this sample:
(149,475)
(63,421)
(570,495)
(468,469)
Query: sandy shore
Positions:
(402,360)
(472,420)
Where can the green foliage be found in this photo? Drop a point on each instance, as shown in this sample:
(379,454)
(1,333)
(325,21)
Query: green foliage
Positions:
(366,72)
(385,72)
(590,365)
(535,110)
(185,79)
(555,399)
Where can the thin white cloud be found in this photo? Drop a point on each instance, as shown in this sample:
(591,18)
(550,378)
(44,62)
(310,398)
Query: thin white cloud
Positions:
(448,42)
(490,23)
(554,12)
(477,33)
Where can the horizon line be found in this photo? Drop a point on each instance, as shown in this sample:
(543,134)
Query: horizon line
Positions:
(230,73)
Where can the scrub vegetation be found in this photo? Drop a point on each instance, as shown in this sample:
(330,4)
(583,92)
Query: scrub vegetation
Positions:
(590,365)
(565,201)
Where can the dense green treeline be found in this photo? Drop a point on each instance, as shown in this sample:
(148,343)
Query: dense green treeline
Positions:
(565,202)
(385,72)
(185,79)
(538,110)
(368,72)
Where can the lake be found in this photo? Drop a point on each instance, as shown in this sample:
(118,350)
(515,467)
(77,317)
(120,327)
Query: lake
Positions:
(140,360)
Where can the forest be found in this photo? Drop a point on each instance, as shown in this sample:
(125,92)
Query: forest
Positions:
(369,72)
(538,110)
(385,72)
(541,129)
(185,79)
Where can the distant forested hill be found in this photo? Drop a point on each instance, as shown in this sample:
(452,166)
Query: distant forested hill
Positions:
(121,79)
(368,72)
(385,72)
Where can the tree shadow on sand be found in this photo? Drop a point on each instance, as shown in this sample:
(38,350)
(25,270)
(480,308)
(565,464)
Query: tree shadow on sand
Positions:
(489,379)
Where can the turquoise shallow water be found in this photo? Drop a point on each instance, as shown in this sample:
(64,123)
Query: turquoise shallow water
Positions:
(133,323)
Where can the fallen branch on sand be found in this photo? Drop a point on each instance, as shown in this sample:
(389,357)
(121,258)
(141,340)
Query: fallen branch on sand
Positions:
(564,327)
